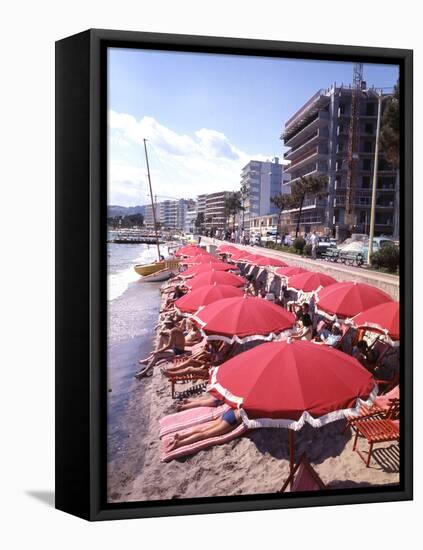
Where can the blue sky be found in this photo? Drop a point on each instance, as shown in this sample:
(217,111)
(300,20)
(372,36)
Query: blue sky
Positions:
(205,115)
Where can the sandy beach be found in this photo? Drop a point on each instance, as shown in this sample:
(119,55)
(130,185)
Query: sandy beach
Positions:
(256,463)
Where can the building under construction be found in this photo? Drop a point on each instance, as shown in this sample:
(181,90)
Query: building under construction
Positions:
(333,134)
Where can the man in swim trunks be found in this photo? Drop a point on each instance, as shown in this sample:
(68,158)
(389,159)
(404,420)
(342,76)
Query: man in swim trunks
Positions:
(175,346)
(222,425)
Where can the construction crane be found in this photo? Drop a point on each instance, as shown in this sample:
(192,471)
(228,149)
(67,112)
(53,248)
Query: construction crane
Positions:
(353,145)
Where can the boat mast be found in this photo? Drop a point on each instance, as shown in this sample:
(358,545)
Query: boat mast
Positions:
(153,208)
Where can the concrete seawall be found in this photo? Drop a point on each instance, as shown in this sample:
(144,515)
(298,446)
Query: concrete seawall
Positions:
(386,282)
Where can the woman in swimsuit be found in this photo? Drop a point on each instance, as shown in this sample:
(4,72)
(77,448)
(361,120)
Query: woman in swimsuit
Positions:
(222,425)
(205,400)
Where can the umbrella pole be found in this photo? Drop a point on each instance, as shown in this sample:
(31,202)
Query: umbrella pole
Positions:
(291,438)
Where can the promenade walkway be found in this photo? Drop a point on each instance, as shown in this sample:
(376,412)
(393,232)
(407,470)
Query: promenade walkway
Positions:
(385,281)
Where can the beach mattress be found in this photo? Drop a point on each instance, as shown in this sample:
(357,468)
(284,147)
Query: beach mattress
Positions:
(167,456)
(187,419)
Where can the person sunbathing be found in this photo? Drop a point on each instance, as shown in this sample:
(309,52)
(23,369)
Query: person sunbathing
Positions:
(229,420)
(198,359)
(330,337)
(175,345)
(193,335)
(205,400)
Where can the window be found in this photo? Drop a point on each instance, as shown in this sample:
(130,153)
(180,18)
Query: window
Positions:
(367,164)
(370,109)
(368,128)
(367,146)
(341,109)
(365,182)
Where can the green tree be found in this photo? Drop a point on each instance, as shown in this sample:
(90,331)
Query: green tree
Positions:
(282,201)
(311,185)
(244,194)
(390,143)
(199,221)
(233,205)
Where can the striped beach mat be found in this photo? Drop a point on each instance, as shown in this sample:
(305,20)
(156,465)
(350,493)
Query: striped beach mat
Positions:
(167,456)
(189,418)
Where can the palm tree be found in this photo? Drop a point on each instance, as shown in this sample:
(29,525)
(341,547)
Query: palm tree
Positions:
(233,205)
(282,201)
(244,196)
(390,143)
(311,185)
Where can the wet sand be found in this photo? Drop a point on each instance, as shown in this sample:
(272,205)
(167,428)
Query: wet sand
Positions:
(132,317)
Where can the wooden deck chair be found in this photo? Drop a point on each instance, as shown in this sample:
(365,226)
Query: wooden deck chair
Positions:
(389,411)
(303,478)
(377,430)
(185,379)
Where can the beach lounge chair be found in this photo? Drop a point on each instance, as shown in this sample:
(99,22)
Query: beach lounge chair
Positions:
(175,378)
(377,431)
(381,408)
(303,478)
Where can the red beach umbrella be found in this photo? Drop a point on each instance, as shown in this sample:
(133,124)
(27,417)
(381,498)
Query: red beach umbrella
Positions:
(248,258)
(271,262)
(310,281)
(349,299)
(243,319)
(188,250)
(212,276)
(290,271)
(201,259)
(205,295)
(285,384)
(204,268)
(226,248)
(384,318)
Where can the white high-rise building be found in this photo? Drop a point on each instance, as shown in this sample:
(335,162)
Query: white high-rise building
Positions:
(260,181)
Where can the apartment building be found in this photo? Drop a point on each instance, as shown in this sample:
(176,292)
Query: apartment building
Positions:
(260,181)
(317,137)
(214,212)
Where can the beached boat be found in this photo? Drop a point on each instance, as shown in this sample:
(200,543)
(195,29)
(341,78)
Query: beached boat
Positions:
(158,276)
(145,270)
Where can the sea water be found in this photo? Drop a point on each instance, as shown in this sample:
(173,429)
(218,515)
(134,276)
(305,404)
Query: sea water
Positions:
(121,259)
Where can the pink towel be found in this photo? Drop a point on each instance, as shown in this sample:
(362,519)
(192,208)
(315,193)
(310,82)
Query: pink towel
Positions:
(166,456)
(191,417)
(383,400)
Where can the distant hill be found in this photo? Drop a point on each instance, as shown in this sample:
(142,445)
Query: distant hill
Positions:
(114,210)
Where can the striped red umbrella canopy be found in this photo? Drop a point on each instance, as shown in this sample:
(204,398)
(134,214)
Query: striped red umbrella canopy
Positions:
(290,271)
(204,268)
(285,384)
(213,276)
(243,319)
(272,262)
(205,295)
(310,281)
(349,299)
(383,318)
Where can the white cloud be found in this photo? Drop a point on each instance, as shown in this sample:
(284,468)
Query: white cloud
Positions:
(181,165)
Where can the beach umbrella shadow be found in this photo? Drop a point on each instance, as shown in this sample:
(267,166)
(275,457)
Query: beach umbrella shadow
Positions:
(319,443)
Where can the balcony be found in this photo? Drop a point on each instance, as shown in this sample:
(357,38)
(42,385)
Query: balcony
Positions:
(295,138)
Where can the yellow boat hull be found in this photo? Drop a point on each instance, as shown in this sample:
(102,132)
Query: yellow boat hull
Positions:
(148,269)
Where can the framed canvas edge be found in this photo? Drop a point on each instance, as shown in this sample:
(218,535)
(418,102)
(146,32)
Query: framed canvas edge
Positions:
(99,39)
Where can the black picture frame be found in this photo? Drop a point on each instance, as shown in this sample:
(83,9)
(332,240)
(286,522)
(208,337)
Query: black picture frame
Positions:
(81,305)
